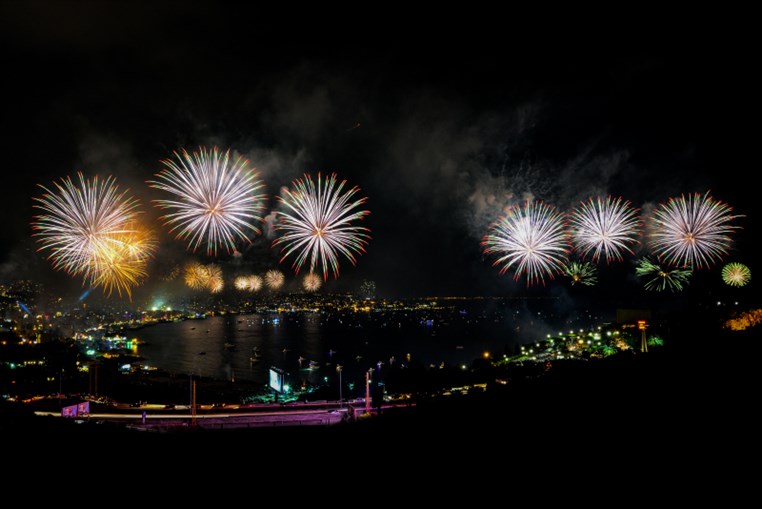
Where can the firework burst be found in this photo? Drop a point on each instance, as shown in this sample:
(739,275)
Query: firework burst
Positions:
(736,274)
(316,221)
(218,201)
(241,283)
(254,283)
(204,277)
(214,281)
(532,238)
(91,230)
(659,278)
(604,228)
(583,273)
(195,276)
(312,282)
(120,262)
(274,279)
(692,232)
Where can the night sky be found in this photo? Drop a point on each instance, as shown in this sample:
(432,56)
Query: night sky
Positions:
(441,125)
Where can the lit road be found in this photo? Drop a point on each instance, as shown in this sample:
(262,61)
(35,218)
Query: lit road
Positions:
(232,416)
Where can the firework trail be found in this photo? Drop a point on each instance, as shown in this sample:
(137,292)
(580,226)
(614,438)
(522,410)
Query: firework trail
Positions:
(604,228)
(736,274)
(532,238)
(316,222)
(659,278)
(692,232)
(274,279)
(583,273)
(312,282)
(217,202)
(91,230)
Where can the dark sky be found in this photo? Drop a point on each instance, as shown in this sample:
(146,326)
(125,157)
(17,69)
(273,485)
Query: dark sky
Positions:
(457,120)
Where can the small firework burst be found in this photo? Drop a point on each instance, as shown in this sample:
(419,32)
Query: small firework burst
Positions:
(659,278)
(736,274)
(584,273)
(254,283)
(214,282)
(204,277)
(274,279)
(312,282)
(241,283)
(195,276)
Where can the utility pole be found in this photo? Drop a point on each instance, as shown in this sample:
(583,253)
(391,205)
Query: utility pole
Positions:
(193,404)
(341,398)
(367,391)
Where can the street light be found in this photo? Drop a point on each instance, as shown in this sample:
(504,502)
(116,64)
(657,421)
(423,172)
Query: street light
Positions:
(341,398)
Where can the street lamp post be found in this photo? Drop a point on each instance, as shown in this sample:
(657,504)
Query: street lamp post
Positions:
(341,397)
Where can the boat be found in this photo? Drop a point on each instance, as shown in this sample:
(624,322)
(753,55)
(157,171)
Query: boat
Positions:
(230,346)
(253,359)
(314,365)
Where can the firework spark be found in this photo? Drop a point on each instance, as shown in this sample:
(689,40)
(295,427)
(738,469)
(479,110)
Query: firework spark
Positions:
(736,274)
(312,282)
(91,230)
(660,278)
(583,273)
(317,223)
(217,200)
(604,228)
(692,232)
(532,238)
(274,279)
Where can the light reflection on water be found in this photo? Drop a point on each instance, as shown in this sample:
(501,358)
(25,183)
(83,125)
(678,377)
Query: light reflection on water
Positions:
(222,346)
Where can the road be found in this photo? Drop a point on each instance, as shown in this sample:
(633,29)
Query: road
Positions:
(230,416)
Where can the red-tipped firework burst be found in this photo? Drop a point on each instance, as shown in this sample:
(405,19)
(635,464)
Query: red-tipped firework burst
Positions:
(692,232)
(316,222)
(532,239)
(604,228)
(217,201)
(91,230)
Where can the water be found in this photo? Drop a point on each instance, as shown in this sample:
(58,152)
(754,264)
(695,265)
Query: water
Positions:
(221,347)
